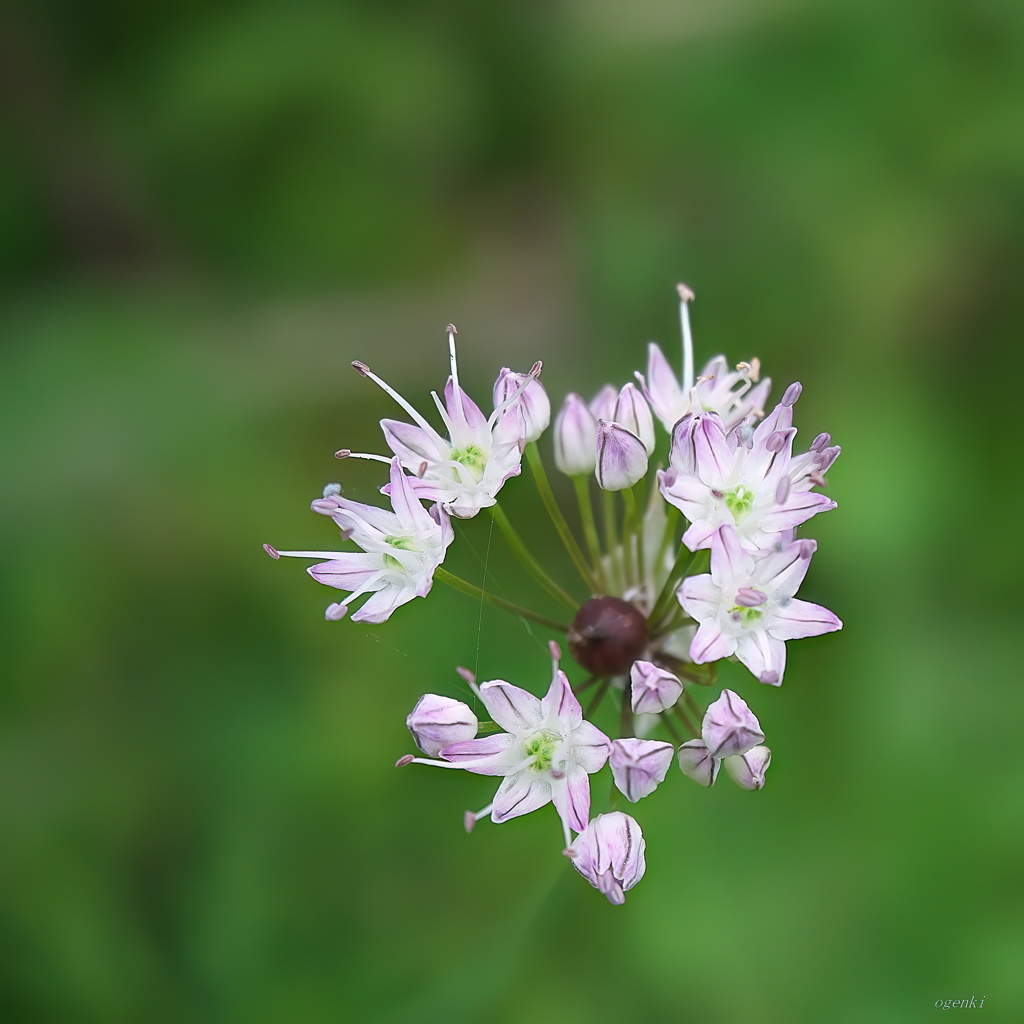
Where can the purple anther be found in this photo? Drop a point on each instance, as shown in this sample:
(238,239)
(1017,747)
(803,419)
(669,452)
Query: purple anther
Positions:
(465,674)
(771,678)
(827,457)
(421,469)
(776,441)
(820,442)
(556,651)
(715,493)
(669,477)
(325,506)
(817,479)
(685,292)
(335,612)
(450,329)
(535,369)
(792,394)
(271,551)
(469,821)
(748,597)
(404,760)
(782,490)
(343,453)
(361,367)
(557,773)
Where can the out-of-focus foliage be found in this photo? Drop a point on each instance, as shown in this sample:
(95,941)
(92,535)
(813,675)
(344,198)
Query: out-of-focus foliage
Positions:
(207,210)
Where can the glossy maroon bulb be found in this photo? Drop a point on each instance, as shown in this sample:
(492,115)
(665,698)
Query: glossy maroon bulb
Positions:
(607,636)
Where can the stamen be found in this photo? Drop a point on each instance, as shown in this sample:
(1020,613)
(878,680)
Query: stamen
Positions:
(556,652)
(751,369)
(748,597)
(456,390)
(404,760)
(820,442)
(792,394)
(782,490)
(686,296)
(335,612)
(347,453)
(273,552)
(470,680)
(303,554)
(470,818)
(817,479)
(384,386)
(519,389)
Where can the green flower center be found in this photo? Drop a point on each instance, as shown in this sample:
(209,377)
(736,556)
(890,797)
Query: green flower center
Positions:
(541,747)
(746,616)
(403,544)
(739,501)
(473,457)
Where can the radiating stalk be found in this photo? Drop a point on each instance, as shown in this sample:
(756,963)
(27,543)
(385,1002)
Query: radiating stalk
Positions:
(464,587)
(582,485)
(520,550)
(547,496)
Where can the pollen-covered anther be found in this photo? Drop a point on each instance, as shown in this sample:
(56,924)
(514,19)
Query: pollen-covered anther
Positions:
(404,760)
(271,551)
(343,453)
(362,368)
(751,369)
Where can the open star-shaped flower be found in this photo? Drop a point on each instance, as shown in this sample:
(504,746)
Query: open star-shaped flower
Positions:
(546,754)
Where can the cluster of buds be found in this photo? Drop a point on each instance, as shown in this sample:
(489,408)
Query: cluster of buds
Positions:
(697,560)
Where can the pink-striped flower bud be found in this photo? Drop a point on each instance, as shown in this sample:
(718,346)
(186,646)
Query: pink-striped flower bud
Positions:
(747,770)
(621,457)
(575,438)
(696,763)
(609,854)
(639,766)
(532,404)
(633,413)
(653,689)
(730,727)
(602,405)
(438,722)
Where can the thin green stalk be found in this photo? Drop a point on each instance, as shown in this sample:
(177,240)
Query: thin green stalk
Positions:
(582,485)
(598,697)
(684,717)
(464,587)
(608,521)
(626,713)
(685,564)
(520,550)
(629,531)
(548,497)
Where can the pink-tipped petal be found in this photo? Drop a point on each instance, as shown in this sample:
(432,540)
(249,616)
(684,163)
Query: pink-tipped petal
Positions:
(511,707)
(572,798)
(798,619)
(519,794)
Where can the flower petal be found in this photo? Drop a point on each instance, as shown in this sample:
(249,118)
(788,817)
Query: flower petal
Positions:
(764,655)
(798,619)
(560,707)
(711,643)
(571,797)
(590,747)
(519,794)
(511,707)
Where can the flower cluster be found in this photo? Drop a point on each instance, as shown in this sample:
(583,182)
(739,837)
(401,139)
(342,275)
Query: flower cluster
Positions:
(697,560)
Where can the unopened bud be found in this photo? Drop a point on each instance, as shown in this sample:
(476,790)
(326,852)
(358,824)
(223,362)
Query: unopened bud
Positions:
(437,722)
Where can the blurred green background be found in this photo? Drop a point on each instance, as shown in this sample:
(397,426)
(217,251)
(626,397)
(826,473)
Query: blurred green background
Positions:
(207,210)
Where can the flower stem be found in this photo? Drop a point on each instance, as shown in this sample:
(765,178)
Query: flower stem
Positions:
(630,523)
(685,564)
(582,485)
(598,697)
(608,521)
(626,713)
(464,587)
(547,496)
(520,550)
